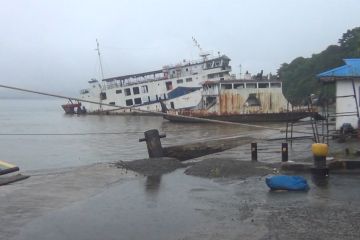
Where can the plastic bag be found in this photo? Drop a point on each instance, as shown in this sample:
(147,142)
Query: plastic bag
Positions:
(284,182)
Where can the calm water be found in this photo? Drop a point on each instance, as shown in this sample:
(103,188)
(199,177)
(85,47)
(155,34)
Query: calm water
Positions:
(31,152)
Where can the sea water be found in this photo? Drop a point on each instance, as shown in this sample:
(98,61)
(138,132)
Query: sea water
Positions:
(36,134)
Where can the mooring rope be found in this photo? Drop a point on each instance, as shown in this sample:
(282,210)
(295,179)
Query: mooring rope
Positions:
(117,107)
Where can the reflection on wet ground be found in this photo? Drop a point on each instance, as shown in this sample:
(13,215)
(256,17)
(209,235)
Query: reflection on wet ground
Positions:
(126,211)
(176,206)
(152,184)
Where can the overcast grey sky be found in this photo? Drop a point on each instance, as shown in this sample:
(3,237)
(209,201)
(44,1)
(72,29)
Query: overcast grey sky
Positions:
(49,45)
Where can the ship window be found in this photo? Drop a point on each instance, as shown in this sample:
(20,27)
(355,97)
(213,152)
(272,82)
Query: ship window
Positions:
(137,100)
(136,90)
(129,102)
(251,85)
(112,103)
(187,69)
(118,91)
(169,85)
(275,85)
(238,85)
(180,81)
(127,92)
(226,86)
(102,96)
(189,80)
(144,89)
(263,85)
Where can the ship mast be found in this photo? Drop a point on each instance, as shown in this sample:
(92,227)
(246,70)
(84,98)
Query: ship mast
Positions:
(98,51)
(202,53)
(101,70)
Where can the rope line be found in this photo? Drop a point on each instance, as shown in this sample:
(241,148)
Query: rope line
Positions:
(117,107)
(65,134)
(95,133)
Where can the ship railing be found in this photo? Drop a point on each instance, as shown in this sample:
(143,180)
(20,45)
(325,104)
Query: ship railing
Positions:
(111,85)
(192,62)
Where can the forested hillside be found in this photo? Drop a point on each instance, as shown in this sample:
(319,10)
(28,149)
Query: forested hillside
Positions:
(299,76)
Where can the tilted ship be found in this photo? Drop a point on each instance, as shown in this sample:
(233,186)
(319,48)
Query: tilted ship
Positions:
(178,85)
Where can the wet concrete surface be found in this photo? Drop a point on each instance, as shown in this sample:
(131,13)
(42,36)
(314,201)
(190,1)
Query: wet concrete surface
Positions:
(48,190)
(155,167)
(102,201)
(176,206)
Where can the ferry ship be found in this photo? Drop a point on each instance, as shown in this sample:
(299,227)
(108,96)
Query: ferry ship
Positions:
(178,86)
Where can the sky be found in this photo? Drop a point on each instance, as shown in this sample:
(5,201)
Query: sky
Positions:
(50,45)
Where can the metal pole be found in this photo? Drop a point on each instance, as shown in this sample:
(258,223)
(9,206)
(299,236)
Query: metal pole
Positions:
(254,151)
(356,102)
(284,152)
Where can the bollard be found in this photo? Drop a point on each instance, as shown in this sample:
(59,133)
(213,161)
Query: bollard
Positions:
(320,151)
(153,143)
(254,151)
(347,151)
(284,152)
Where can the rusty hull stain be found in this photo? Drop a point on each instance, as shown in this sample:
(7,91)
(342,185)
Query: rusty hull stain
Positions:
(231,102)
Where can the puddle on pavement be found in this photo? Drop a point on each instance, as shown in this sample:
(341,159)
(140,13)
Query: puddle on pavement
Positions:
(156,207)
(175,205)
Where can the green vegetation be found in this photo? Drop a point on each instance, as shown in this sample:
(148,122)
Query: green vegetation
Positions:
(299,77)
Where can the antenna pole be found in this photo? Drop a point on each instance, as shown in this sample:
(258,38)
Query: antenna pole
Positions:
(98,50)
(240,71)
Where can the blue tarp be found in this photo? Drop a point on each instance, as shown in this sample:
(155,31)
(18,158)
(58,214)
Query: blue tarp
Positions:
(284,182)
(350,69)
(179,91)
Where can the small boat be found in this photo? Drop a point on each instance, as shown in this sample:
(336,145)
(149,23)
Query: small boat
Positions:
(244,101)
(73,108)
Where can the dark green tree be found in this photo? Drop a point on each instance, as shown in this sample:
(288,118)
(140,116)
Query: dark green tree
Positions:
(299,76)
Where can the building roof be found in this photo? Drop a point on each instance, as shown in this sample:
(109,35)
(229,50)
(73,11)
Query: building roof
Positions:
(351,69)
